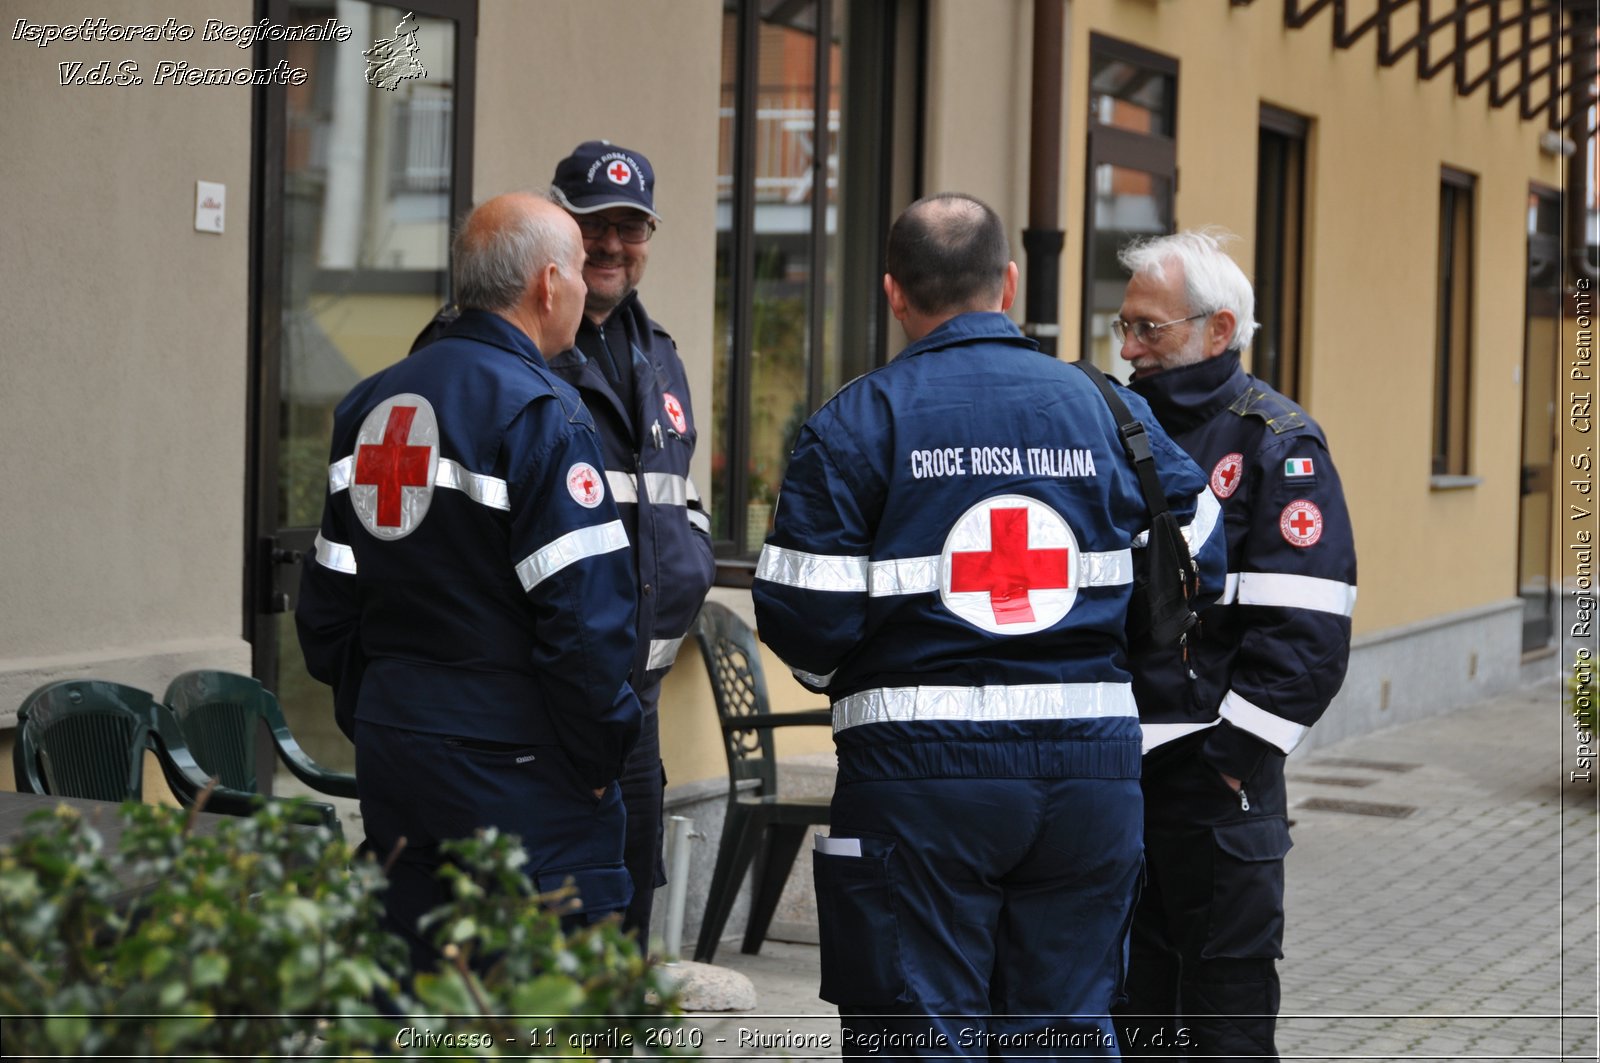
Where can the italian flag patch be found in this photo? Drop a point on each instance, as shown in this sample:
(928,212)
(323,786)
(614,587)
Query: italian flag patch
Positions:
(1297,467)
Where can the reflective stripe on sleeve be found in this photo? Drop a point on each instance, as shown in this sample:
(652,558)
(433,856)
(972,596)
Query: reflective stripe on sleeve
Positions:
(700,520)
(1294,592)
(1159,734)
(1285,734)
(568,549)
(663,652)
(1037,701)
(490,491)
(819,681)
(336,556)
(1206,511)
(812,572)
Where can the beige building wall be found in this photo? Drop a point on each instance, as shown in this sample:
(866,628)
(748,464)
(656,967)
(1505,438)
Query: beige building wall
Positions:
(123,351)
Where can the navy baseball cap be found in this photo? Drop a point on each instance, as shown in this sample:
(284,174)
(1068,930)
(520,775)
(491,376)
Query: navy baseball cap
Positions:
(599,174)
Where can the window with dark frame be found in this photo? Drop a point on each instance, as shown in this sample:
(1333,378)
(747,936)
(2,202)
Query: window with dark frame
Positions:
(1452,380)
(1132,176)
(808,113)
(1280,249)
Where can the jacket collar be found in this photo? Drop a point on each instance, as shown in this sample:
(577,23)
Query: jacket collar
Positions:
(1191,395)
(964,328)
(629,315)
(495,330)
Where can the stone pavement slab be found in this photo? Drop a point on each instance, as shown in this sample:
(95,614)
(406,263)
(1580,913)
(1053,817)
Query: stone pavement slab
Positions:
(1465,930)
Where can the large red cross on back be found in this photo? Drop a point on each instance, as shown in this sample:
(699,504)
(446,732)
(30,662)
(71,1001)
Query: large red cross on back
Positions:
(392,465)
(1009,570)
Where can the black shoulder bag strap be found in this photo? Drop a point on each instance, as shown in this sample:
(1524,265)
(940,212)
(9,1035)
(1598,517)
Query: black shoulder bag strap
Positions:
(1160,611)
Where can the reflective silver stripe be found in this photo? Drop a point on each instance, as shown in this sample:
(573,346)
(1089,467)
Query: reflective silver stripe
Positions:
(812,572)
(623,487)
(1206,511)
(819,681)
(336,556)
(1230,589)
(340,473)
(569,548)
(663,652)
(1039,701)
(1285,734)
(1159,734)
(694,492)
(700,520)
(920,575)
(490,491)
(1296,592)
(903,575)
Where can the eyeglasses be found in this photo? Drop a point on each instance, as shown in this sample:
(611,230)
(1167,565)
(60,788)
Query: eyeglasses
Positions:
(1145,331)
(629,230)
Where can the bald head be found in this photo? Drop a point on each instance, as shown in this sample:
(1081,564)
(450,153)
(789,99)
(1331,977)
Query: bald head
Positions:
(516,255)
(947,255)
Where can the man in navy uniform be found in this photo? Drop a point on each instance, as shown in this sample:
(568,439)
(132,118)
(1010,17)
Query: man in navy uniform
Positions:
(952,562)
(1220,717)
(627,369)
(471,600)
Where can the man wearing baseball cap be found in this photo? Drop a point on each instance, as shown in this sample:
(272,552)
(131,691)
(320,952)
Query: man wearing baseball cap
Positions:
(626,368)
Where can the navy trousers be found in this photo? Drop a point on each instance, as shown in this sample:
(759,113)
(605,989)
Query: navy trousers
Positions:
(429,789)
(643,783)
(982,918)
(1202,977)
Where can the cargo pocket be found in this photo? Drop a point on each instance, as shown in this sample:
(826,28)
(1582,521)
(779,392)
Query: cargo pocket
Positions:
(859,930)
(602,891)
(1247,890)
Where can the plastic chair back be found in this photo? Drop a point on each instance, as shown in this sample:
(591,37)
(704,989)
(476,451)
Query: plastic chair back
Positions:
(83,738)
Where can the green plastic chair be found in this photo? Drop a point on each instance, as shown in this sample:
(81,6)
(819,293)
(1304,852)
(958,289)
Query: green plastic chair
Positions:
(83,738)
(87,738)
(217,712)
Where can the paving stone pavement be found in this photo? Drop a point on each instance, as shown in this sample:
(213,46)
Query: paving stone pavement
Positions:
(1465,930)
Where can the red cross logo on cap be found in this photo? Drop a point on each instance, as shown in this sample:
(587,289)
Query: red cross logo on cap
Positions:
(1227,474)
(1301,523)
(1009,564)
(396,456)
(619,172)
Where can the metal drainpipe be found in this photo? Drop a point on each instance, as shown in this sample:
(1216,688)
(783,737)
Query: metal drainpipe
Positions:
(1578,191)
(1043,239)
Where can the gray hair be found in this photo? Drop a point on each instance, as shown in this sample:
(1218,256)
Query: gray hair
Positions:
(1212,280)
(494,260)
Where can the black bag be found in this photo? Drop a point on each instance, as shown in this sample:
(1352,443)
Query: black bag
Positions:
(1164,590)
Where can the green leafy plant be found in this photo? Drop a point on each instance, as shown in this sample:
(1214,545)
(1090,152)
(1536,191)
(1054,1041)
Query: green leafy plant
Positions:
(263,937)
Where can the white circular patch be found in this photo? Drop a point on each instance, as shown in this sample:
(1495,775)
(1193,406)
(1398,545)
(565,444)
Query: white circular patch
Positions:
(619,172)
(1010,565)
(396,458)
(1226,475)
(680,423)
(588,488)
(1301,523)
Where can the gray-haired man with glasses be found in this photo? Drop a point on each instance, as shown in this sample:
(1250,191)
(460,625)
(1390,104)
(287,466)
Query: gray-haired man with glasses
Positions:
(1220,716)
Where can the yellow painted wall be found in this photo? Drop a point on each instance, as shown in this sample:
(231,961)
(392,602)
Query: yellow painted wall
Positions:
(1378,139)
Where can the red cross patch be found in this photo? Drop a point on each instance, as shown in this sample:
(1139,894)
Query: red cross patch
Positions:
(588,487)
(1010,566)
(1227,473)
(1301,523)
(680,423)
(619,172)
(397,455)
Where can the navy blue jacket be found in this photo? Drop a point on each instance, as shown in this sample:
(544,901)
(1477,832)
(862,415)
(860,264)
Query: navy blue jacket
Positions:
(647,451)
(1271,653)
(471,576)
(952,559)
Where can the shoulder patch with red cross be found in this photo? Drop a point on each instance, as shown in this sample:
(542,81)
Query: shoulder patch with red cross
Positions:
(674,408)
(1301,523)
